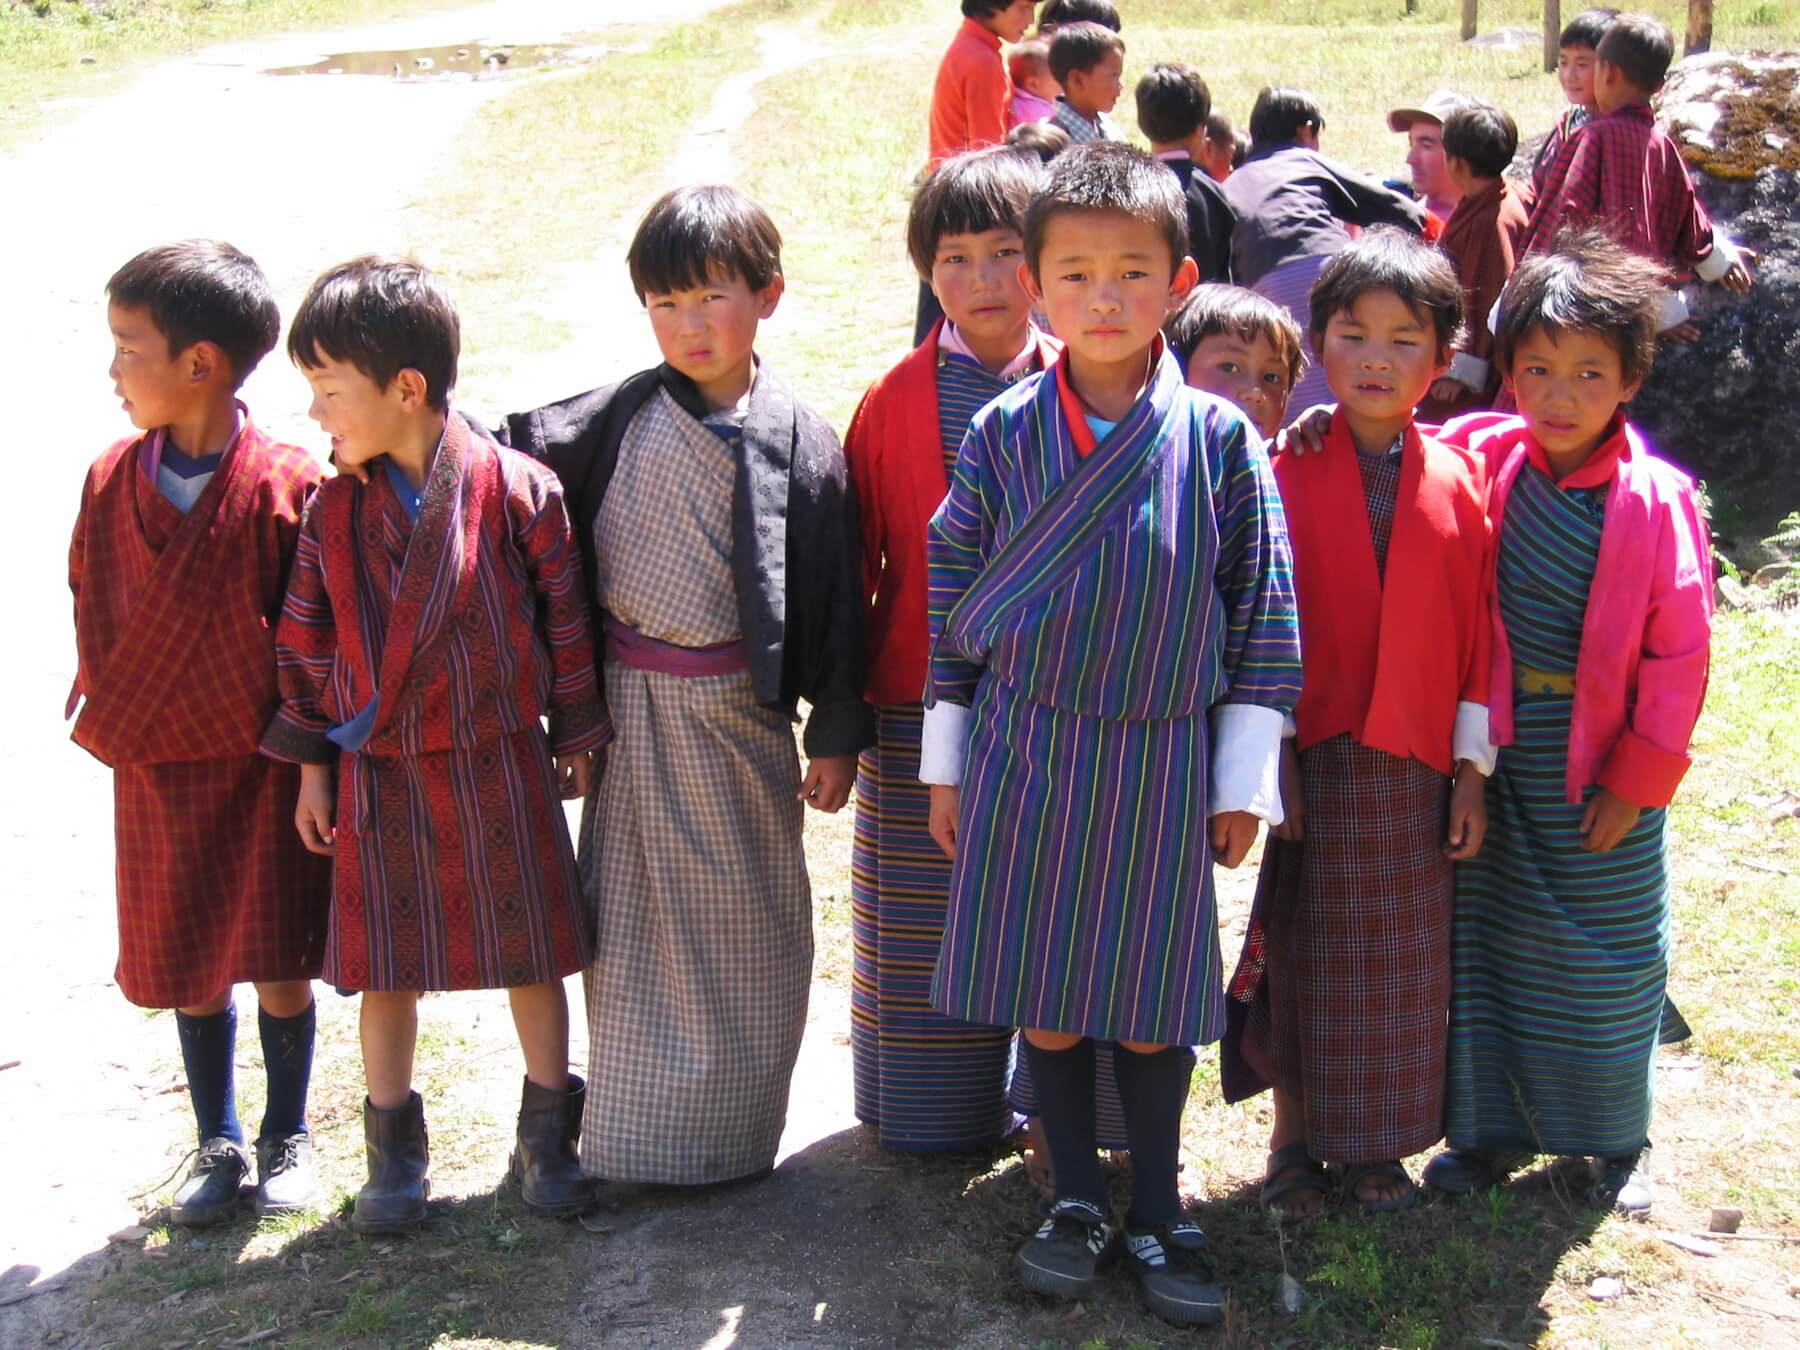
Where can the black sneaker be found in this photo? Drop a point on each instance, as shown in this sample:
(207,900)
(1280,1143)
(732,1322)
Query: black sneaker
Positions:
(1067,1252)
(287,1181)
(210,1192)
(1171,1268)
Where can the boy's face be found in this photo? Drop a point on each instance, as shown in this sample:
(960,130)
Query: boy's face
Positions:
(1097,90)
(1568,386)
(1010,24)
(1107,282)
(363,420)
(976,279)
(1380,357)
(156,386)
(1252,375)
(708,332)
(1575,73)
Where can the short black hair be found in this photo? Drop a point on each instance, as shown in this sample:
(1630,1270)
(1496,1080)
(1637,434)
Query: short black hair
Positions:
(1588,27)
(971,193)
(1044,139)
(983,9)
(1081,46)
(1588,283)
(692,235)
(1641,47)
(1482,136)
(1217,308)
(1060,12)
(1219,129)
(203,290)
(1386,259)
(1173,102)
(1280,114)
(381,315)
(1109,176)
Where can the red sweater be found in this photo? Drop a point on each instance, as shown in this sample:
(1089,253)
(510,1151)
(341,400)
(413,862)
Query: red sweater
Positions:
(896,457)
(1388,663)
(973,92)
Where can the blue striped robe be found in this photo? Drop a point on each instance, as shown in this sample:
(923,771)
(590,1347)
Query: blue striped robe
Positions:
(1081,896)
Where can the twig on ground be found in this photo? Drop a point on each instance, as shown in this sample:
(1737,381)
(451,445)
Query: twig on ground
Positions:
(1726,1301)
(1785,1239)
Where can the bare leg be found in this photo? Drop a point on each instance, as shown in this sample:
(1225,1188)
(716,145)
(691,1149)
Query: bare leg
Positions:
(541,1016)
(285,998)
(390,1032)
(1290,1127)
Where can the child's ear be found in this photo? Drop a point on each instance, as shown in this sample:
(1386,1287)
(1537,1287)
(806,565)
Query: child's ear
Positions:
(1630,391)
(412,387)
(1028,279)
(770,296)
(204,360)
(1187,276)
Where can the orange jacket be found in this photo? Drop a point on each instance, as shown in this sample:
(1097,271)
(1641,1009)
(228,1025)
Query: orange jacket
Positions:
(973,92)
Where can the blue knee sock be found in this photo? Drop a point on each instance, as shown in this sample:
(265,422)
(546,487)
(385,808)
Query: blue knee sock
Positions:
(1064,1081)
(287,1044)
(1153,1090)
(208,1048)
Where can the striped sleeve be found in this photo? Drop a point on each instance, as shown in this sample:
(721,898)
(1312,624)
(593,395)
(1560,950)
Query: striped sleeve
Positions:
(1255,573)
(305,648)
(955,550)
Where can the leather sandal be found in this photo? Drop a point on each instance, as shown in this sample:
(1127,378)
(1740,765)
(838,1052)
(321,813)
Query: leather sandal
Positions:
(1291,1169)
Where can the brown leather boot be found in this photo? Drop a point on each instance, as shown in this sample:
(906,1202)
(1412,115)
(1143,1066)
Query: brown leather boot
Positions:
(393,1199)
(544,1161)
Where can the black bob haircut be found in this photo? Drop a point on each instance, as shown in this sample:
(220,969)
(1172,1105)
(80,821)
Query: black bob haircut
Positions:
(1081,46)
(695,235)
(1109,176)
(971,193)
(1588,283)
(203,290)
(1482,136)
(1588,27)
(1387,259)
(1217,309)
(1060,12)
(1173,103)
(381,315)
(982,9)
(1641,47)
(1280,115)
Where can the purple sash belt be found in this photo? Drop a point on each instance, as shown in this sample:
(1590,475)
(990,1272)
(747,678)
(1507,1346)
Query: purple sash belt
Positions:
(629,647)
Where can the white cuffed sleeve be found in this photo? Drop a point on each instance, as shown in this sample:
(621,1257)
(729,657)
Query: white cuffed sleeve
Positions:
(1470,371)
(1673,313)
(942,743)
(1469,740)
(1246,751)
(1717,263)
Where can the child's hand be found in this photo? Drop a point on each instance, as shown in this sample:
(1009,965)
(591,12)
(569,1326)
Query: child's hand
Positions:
(1306,432)
(827,784)
(574,774)
(1740,276)
(1232,834)
(1293,800)
(946,803)
(1683,334)
(317,806)
(1468,814)
(1450,392)
(1606,821)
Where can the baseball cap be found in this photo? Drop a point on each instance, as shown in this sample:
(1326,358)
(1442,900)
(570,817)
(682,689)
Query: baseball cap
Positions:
(1440,105)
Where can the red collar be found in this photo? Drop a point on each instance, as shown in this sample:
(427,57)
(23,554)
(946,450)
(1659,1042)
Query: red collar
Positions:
(1075,412)
(987,36)
(1600,466)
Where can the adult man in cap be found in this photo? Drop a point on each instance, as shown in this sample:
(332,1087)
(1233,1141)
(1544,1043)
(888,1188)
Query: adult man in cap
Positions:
(1424,130)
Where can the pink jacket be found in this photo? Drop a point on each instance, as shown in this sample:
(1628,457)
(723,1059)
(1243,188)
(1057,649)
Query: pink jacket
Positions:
(1640,677)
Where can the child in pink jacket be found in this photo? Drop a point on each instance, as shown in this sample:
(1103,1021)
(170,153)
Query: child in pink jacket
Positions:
(1602,606)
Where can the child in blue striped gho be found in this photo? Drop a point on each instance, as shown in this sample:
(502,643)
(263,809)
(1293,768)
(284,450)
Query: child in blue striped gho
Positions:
(1114,649)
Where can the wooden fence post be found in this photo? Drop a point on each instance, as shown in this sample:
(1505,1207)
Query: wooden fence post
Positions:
(1468,19)
(1699,33)
(1552,32)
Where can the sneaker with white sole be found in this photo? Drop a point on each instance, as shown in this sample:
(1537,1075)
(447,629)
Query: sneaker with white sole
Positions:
(1066,1254)
(1171,1268)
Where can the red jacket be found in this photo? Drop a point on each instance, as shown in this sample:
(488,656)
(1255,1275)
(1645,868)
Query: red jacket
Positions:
(896,458)
(1388,663)
(972,95)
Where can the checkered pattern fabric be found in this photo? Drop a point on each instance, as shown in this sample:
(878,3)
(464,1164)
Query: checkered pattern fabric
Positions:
(691,849)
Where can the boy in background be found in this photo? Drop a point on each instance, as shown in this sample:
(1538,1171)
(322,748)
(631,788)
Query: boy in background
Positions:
(178,562)
(1061,13)
(1225,149)
(1035,89)
(972,96)
(1247,350)
(1575,59)
(1173,104)
(1088,61)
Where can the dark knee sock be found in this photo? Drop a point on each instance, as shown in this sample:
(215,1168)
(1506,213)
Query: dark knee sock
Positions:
(287,1044)
(1153,1090)
(1064,1080)
(208,1047)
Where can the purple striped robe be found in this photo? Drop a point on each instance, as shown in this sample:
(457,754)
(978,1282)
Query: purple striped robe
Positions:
(1091,612)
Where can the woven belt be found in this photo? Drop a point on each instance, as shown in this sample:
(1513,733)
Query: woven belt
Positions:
(1531,680)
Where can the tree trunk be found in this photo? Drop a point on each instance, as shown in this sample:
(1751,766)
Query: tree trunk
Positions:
(1468,19)
(1699,33)
(1552,32)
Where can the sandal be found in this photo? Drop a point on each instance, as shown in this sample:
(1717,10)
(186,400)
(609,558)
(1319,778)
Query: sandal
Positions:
(1290,1169)
(1351,1176)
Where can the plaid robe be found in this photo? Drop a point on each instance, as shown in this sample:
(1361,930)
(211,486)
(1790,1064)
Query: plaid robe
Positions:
(453,864)
(1482,238)
(175,677)
(1623,173)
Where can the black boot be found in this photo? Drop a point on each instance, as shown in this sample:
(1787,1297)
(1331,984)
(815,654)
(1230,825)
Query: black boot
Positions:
(393,1199)
(544,1162)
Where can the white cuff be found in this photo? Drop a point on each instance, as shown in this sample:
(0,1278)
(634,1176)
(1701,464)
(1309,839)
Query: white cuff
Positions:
(1290,729)
(1673,313)
(1470,371)
(943,743)
(1246,751)
(1470,740)
(1717,263)
(1493,314)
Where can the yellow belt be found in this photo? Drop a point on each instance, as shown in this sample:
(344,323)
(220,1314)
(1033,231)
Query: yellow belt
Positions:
(1531,680)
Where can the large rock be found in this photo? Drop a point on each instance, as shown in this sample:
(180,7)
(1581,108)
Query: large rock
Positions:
(1728,407)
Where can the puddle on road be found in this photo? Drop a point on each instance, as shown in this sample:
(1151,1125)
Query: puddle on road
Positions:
(465,61)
